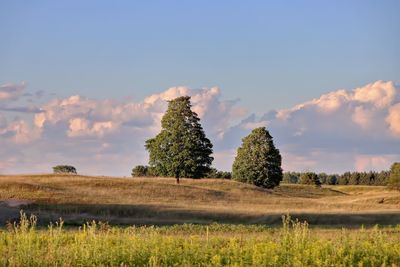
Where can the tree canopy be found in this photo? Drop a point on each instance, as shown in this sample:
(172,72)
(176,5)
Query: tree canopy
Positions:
(181,149)
(258,162)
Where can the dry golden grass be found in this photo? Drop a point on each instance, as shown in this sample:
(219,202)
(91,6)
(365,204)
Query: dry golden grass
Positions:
(161,201)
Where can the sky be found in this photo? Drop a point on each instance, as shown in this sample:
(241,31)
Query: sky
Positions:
(85,82)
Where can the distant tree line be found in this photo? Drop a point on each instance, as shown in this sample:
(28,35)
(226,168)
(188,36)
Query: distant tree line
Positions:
(347,178)
(310,178)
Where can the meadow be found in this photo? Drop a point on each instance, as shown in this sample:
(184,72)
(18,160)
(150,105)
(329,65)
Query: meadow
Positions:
(160,201)
(111,221)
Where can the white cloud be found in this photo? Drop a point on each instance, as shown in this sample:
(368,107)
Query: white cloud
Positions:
(86,116)
(380,93)
(330,102)
(109,133)
(19,132)
(393,119)
(253,125)
(330,132)
(82,127)
(377,162)
(298,162)
(362,116)
(10,91)
(167,95)
(363,108)
(341,130)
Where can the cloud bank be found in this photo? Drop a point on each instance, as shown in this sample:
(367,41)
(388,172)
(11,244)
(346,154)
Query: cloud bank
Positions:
(345,129)
(342,130)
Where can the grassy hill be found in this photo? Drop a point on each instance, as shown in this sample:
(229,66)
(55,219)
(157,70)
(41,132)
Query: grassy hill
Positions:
(160,201)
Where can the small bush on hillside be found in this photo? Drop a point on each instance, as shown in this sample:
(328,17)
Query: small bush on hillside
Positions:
(394,178)
(65,169)
(310,178)
(140,171)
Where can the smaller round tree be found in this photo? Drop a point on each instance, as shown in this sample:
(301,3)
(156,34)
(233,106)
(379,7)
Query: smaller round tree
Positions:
(394,178)
(257,161)
(310,178)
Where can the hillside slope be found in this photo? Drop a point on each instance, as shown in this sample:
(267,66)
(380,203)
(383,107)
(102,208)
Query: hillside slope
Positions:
(160,201)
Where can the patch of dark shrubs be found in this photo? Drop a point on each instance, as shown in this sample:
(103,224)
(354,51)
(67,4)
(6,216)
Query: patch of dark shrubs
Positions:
(64,169)
(214,173)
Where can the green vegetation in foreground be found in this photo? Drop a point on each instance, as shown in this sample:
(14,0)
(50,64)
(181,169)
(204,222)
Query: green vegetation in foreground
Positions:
(294,244)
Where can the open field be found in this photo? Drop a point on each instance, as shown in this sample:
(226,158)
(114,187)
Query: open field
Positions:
(160,201)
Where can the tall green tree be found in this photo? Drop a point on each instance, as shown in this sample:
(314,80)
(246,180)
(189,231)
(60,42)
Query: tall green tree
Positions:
(181,149)
(258,162)
(394,178)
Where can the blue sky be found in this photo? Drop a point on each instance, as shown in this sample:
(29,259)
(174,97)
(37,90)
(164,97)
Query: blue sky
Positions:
(95,75)
(270,54)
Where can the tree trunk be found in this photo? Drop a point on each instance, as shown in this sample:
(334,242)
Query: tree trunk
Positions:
(177,176)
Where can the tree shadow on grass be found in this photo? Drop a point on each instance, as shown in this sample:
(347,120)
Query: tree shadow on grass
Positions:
(78,214)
